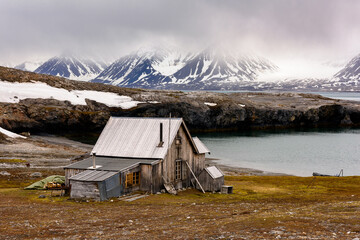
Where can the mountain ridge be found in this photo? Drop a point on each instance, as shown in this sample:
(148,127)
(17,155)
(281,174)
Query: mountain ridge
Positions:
(71,67)
(207,69)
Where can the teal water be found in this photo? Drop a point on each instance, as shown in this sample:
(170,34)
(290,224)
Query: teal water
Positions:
(353,96)
(297,153)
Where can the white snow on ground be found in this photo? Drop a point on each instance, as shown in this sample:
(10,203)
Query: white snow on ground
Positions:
(210,104)
(14,92)
(10,134)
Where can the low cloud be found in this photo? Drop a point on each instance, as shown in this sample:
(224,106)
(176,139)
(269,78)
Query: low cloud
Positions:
(278,29)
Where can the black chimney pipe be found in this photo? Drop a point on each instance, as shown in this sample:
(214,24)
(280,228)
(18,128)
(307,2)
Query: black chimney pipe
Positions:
(161,133)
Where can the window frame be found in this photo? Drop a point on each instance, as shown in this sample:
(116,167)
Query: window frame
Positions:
(132,179)
(178,169)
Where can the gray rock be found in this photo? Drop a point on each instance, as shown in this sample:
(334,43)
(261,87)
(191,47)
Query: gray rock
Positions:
(5,173)
(36,174)
(42,196)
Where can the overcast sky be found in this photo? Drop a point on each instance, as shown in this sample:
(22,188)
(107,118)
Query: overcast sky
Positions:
(275,29)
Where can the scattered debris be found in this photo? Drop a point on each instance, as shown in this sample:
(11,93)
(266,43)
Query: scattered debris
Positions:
(36,174)
(43,184)
(133,197)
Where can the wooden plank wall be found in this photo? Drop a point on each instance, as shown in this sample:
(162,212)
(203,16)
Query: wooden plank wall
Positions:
(69,173)
(187,153)
(210,184)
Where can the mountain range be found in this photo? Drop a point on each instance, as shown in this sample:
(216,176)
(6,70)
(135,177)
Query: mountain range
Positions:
(161,69)
(210,69)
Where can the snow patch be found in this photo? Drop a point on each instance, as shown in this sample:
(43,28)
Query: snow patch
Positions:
(210,104)
(10,134)
(14,92)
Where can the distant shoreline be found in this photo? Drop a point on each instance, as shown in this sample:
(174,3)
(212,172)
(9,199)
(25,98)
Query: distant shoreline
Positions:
(236,171)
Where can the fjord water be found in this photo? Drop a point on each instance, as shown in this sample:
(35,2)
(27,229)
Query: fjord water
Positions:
(293,152)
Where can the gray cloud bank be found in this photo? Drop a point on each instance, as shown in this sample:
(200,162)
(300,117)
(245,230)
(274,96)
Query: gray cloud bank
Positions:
(279,29)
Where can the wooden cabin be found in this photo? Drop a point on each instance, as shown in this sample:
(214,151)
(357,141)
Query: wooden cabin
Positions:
(147,154)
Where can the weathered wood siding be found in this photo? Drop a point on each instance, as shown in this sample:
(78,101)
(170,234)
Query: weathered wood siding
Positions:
(146,178)
(186,152)
(87,190)
(157,181)
(69,173)
(208,183)
(111,187)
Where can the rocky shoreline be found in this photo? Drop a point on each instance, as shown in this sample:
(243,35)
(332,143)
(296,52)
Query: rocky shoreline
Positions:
(202,111)
(54,152)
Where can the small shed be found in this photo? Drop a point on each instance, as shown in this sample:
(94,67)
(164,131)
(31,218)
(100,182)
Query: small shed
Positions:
(211,179)
(97,185)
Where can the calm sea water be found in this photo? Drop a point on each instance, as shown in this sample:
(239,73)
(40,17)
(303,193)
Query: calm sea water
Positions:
(292,152)
(353,96)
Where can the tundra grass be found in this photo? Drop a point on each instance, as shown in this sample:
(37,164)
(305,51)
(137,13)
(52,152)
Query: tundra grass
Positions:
(261,207)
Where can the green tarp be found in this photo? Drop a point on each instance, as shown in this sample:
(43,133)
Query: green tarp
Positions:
(42,183)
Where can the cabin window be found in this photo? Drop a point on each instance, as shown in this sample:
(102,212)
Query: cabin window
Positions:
(178,167)
(132,179)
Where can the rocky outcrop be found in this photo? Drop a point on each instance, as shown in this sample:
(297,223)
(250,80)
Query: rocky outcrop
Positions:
(53,116)
(203,111)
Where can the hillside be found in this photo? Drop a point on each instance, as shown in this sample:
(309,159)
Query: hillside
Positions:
(201,110)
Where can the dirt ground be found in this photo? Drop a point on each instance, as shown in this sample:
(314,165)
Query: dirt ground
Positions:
(261,207)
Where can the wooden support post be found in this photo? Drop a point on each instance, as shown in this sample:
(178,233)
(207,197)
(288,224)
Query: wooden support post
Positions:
(187,164)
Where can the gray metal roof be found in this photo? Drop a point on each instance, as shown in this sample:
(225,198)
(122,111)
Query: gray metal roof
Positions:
(110,164)
(214,172)
(92,176)
(136,137)
(200,145)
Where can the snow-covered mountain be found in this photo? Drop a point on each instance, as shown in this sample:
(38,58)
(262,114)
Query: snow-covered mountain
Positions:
(72,67)
(134,70)
(221,69)
(350,74)
(166,69)
(29,66)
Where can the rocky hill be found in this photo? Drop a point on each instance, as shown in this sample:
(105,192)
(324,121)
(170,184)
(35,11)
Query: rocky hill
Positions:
(204,111)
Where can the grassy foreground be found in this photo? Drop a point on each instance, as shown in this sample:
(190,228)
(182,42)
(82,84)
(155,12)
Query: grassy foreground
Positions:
(262,207)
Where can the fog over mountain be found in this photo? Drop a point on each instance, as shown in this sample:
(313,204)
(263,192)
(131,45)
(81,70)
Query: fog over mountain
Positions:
(292,34)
